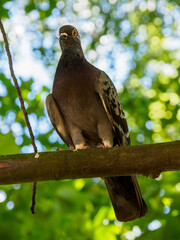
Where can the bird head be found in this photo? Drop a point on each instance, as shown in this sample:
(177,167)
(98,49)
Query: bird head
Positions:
(69,38)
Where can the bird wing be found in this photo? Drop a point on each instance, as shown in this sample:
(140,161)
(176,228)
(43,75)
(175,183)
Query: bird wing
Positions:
(113,108)
(123,190)
(58,121)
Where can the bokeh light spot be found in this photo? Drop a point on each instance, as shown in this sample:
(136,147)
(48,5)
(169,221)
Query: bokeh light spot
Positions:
(154,225)
(10,205)
(2,196)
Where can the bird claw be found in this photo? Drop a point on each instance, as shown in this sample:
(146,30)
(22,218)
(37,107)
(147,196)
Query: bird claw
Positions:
(85,147)
(71,148)
(60,149)
(81,148)
(101,146)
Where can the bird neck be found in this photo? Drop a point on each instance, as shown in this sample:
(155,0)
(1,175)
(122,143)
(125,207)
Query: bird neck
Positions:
(70,58)
(69,61)
(72,54)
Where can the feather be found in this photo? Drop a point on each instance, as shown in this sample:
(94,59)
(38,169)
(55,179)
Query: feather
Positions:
(124,191)
(57,120)
(113,108)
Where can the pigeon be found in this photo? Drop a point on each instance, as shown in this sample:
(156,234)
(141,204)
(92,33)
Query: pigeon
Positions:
(86,112)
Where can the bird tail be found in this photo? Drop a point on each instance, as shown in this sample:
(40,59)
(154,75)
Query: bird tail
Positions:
(126,197)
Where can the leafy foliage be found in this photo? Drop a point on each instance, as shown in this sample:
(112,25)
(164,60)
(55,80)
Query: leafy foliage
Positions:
(145,31)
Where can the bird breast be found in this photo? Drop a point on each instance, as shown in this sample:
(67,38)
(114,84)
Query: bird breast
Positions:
(77,99)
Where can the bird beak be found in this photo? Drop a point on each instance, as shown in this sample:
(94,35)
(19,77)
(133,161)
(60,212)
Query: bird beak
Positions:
(63,36)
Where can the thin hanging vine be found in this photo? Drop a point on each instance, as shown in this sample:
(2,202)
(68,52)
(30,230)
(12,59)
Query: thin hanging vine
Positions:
(22,104)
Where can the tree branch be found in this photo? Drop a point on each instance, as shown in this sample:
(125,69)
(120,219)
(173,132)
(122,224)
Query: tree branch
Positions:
(149,160)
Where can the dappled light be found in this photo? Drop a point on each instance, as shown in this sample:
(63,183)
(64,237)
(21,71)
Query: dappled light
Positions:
(137,43)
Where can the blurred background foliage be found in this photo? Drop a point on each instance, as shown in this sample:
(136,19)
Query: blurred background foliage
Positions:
(137,43)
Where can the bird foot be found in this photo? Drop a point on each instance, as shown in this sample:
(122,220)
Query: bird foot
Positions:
(101,146)
(80,147)
(60,149)
(85,147)
(71,148)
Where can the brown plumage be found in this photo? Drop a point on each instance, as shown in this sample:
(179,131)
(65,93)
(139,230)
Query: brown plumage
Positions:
(85,110)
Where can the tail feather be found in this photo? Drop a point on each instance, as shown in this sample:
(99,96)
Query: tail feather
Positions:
(126,197)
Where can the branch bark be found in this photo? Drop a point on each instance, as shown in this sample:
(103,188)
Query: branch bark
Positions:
(149,160)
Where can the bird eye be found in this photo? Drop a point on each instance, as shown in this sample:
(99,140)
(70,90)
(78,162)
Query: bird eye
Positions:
(74,32)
